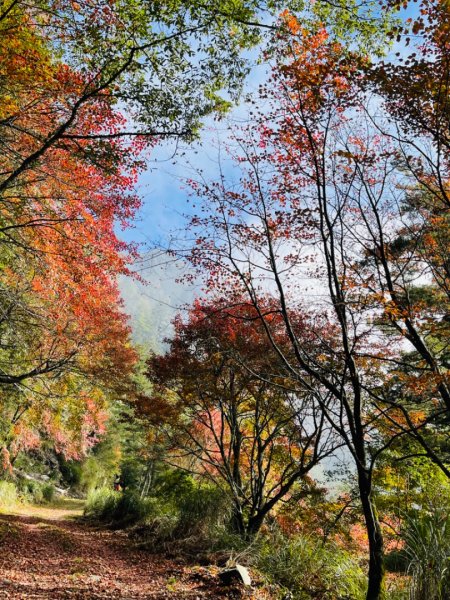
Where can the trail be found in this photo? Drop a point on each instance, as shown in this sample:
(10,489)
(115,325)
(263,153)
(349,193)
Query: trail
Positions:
(49,554)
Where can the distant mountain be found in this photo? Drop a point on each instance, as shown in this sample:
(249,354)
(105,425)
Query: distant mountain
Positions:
(153,304)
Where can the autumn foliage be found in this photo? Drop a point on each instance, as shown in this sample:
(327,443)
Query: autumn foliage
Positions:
(65,339)
(322,332)
(229,413)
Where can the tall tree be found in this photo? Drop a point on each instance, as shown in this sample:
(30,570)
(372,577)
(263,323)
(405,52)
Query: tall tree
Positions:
(63,335)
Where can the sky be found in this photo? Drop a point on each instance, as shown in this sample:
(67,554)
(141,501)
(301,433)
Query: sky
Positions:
(163,218)
(164,202)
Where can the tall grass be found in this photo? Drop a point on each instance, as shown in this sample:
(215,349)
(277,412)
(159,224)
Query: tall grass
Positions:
(118,508)
(101,504)
(195,518)
(35,492)
(22,490)
(427,550)
(8,495)
(307,569)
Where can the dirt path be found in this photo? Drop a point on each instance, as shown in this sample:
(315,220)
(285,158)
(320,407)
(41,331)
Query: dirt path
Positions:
(46,554)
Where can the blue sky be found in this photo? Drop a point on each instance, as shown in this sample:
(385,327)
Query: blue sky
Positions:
(162,216)
(164,201)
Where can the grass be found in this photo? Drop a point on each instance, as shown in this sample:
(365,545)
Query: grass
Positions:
(59,509)
(308,570)
(8,495)
(37,501)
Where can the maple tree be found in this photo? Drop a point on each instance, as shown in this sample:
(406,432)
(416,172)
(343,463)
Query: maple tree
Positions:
(224,419)
(64,337)
(249,231)
(166,65)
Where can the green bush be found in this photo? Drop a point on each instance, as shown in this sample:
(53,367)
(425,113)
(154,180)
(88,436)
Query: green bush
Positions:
(101,504)
(71,473)
(8,494)
(191,511)
(309,570)
(48,492)
(131,508)
(202,509)
(35,492)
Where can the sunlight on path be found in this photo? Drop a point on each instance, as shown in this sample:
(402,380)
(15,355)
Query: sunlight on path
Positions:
(62,509)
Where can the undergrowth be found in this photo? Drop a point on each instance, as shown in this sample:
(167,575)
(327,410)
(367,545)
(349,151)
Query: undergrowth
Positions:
(308,569)
(8,494)
(195,523)
(14,493)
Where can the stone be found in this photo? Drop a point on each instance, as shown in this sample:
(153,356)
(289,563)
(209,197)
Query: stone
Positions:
(238,574)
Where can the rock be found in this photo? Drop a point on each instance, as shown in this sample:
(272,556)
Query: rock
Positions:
(237,574)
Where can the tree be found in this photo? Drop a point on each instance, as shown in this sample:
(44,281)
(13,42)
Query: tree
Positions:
(409,266)
(64,339)
(69,160)
(226,419)
(284,196)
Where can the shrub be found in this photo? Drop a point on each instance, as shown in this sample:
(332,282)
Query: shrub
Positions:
(101,504)
(131,508)
(48,492)
(35,493)
(120,508)
(202,509)
(193,515)
(8,494)
(309,570)
(71,472)
(109,506)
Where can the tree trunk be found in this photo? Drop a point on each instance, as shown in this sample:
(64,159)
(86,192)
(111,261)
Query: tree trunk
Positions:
(375,586)
(237,521)
(246,528)
(254,524)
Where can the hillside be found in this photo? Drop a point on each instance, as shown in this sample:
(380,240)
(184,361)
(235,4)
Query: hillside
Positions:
(154,302)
